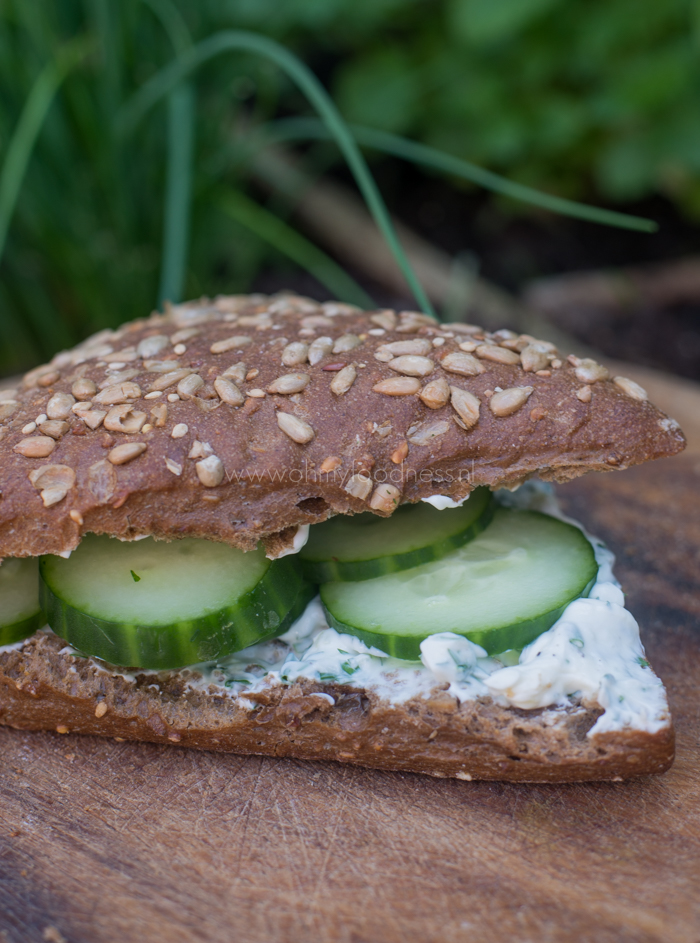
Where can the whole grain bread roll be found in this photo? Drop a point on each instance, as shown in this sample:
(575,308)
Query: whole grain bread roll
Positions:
(44,686)
(240,418)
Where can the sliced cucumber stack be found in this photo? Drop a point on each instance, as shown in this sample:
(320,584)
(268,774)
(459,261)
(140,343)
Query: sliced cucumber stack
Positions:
(152,604)
(501,590)
(20,612)
(366,546)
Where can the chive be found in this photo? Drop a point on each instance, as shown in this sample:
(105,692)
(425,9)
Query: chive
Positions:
(190,60)
(282,237)
(135,578)
(291,129)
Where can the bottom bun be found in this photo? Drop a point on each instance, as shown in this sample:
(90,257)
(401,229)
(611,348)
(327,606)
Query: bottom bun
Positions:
(44,686)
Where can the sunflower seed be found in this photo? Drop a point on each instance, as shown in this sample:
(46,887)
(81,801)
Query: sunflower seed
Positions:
(126,452)
(180,430)
(113,379)
(466,405)
(382,355)
(179,337)
(228,392)
(56,428)
(343,380)
(48,379)
(385,319)
(412,321)
(588,371)
(497,354)
(412,366)
(52,476)
(534,357)
(29,428)
(188,387)
(631,388)
(160,414)
(121,357)
(400,452)
(59,406)
(330,464)
(289,383)
(102,481)
(295,354)
(161,366)
(316,320)
(36,446)
(507,402)
(584,394)
(418,346)
(436,393)
(167,380)
(210,471)
(319,349)
(459,328)
(83,389)
(237,372)
(397,386)
(93,418)
(114,395)
(297,429)
(386,497)
(151,346)
(53,481)
(173,466)
(200,450)
(346,342)
(7,409)
(463,364)
(124,418)
(359,486)
(426,432)
(77,517)
(230,343)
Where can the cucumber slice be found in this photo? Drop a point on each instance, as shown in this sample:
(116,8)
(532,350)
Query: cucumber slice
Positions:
(365,546)
(152,604)
(501,590)
(20,612)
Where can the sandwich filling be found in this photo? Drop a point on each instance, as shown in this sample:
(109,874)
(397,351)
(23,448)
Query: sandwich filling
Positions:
(591,656)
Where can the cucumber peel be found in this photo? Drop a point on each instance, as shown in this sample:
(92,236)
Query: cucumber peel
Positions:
(195,600)
(20,612)
(366,546)
(501,591)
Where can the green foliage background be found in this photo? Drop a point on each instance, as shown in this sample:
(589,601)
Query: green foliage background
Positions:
(585,98)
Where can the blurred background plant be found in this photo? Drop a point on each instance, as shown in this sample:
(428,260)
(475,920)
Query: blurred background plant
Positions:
(588,99)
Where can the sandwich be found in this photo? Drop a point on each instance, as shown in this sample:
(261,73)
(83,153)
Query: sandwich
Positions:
(266,525)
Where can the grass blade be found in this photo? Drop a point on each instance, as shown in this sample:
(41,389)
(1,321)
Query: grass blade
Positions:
(289,242)
(227,40)
(19,150)
(178,186)
(172,22)
(178,192)
(291,129)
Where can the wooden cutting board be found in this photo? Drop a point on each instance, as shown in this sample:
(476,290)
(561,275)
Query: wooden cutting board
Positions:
(105,841)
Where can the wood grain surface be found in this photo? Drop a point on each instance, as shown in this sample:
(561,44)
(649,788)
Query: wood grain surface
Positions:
(105,841)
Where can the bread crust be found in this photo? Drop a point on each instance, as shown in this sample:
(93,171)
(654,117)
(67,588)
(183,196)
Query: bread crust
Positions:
(335,449)
(43,686)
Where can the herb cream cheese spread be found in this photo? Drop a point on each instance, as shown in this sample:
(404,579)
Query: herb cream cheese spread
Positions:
(592,655)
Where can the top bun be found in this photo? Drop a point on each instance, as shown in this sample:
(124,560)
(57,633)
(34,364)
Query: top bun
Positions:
(239,418)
